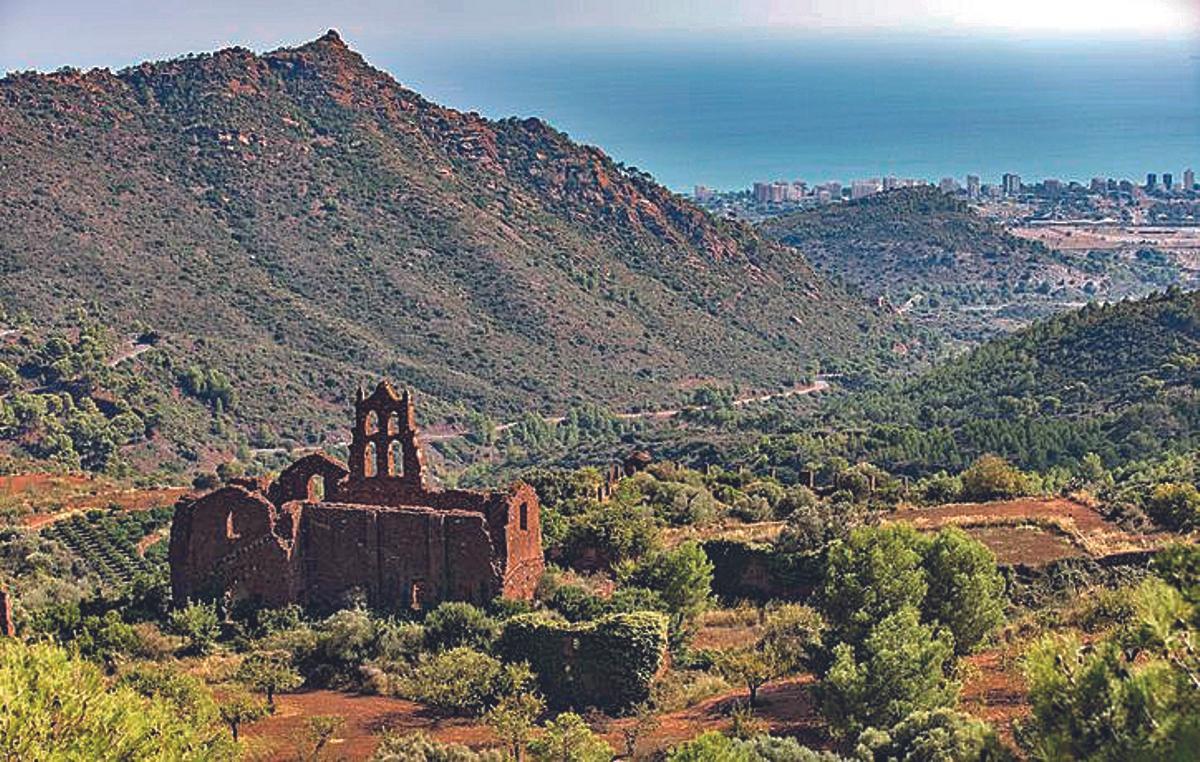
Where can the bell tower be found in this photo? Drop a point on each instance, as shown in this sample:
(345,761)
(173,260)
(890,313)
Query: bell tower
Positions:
(384,443)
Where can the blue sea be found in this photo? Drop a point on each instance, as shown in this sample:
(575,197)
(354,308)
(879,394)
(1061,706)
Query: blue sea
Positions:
(726,111)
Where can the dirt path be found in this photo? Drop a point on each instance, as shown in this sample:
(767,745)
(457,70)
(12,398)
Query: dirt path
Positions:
(126,500)
(152,539)
(132,349)
(786,706)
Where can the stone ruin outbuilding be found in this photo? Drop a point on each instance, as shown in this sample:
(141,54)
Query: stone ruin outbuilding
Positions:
(325,533)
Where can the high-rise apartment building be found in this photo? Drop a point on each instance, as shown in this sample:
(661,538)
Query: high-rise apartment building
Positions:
(973,187)
(1189,180)
(1011,184)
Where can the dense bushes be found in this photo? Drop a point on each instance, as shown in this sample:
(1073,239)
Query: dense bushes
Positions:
(1175,506)
(607,663)
(940,735)
(761,571)
(57,707)
(210,386)
(991,478)
(899,606)
(454,624)
(461,681)
(900,667)
(1133,695)
(714,747)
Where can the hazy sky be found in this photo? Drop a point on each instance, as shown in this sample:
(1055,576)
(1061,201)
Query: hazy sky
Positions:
(45,34)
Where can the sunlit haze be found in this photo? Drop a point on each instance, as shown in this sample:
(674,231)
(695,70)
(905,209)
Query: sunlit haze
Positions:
(45,35)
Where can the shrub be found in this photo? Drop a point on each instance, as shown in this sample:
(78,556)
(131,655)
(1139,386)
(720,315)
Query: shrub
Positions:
(188,694)
(238,708)
(567,738)
(512,719)
(418,747)
(198,624)
(607,663)
(455,623)
(1179,565)
(714,747)
(269,672)
(811,527)
(461,681)
(332,653)
(107,638)
(795,498)
(1175,506)
(992,477)
(966,590)
(873,574)
(682,577)
(609,533)
(901,667)
(790,634)
(940,488)
(577,603)
(933,736)
(1097,703)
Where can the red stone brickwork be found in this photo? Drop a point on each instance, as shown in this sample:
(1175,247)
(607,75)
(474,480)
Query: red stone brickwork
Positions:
(324,533)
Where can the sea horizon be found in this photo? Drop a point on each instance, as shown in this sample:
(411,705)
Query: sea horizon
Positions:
(728,112)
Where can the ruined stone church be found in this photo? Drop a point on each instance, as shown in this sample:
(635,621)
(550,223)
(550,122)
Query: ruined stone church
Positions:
(324,533)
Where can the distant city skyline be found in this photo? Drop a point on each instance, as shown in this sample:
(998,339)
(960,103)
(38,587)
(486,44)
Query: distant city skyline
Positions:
(781,90)
(964,179)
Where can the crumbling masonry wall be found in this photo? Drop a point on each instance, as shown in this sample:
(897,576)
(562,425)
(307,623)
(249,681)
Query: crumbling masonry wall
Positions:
(324,533)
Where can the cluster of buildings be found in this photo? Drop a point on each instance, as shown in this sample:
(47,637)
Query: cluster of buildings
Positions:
(767,198)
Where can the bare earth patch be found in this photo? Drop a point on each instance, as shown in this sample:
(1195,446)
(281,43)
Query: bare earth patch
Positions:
(1034,530)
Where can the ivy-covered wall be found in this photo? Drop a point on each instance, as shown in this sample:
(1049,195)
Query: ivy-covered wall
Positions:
(607,663)
(758,571)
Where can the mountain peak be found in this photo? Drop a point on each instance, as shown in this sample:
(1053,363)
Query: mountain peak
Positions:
(330,39)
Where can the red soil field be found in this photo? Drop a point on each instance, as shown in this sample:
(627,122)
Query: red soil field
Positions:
(1085,519)
(993,691)
(65,495)
(1026,544)
(786,707)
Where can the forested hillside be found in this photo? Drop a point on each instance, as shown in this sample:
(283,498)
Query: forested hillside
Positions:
(298,221)
(1117,380)
(929,255)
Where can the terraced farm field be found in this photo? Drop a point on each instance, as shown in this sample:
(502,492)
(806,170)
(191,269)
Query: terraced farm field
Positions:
(1034,531)
(108,541)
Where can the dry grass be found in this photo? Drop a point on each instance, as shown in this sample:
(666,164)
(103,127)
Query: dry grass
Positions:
(1076,520)
(725,529)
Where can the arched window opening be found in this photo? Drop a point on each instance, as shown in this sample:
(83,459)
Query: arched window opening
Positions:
(394,423)
(396,459)
(524,516)
(370,464)
(316,488)
(230,532)
(371,423)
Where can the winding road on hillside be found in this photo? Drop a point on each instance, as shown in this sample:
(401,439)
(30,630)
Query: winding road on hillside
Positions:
(442,435)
